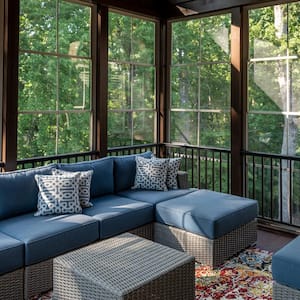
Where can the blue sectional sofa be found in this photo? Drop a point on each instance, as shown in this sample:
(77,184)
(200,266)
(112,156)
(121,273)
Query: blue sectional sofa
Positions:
(29,243)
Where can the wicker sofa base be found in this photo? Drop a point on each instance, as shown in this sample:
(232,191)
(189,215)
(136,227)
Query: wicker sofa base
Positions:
(145,231)
(38,278)
(282,292)
(207,251)
(11,285)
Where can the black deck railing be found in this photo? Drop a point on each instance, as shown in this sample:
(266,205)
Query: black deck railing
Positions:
(2,166)
(127,150)
(208,168)
(274,180)
(64,158)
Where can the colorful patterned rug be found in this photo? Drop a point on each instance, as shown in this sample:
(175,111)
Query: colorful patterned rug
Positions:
(246,276)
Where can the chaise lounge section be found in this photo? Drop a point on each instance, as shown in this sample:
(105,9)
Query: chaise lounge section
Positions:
(209,225)
(116,208)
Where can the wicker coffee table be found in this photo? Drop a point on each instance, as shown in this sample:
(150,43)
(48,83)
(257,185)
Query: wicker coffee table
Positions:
(124,267)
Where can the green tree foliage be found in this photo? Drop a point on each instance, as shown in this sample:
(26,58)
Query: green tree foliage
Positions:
(274,109)
(54,78)
(273,81)
(200,85)
(131,85)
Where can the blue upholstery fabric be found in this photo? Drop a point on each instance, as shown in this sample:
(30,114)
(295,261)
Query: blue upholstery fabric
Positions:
(11,254)
(207,213)
(125,169)
(19,191)
(154,196)
(117,214)
(286,265)
(48,236)
(102,180)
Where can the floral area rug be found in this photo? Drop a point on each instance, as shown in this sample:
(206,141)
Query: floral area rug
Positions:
(247,276)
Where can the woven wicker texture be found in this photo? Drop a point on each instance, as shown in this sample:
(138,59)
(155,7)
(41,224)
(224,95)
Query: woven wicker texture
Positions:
(124,267)
(38,278)
(282,292)
(207,251)
(146,231)
(11,285)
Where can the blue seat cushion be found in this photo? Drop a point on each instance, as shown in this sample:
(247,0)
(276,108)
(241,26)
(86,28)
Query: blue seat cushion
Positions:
(286,265)
(11,254)
(19,191)
(102,180)
(117,214)
(154,197)
(125,169)
(48,236)
(207,213)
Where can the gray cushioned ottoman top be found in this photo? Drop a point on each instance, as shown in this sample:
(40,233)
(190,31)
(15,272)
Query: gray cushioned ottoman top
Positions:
(207,213)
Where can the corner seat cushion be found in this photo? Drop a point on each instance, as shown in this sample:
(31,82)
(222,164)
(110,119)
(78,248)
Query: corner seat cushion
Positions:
(117,214)
(48,236)
(102,180)
(11,254)
(154,197)
(207,213)
(286,265)
(125,170)
(19,191)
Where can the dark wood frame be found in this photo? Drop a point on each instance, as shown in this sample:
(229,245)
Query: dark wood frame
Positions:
(10,83)
(237,102)
(2,7)
(102,82)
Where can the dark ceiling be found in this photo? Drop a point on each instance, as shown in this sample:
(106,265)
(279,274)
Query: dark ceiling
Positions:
(176,8)
(202,6)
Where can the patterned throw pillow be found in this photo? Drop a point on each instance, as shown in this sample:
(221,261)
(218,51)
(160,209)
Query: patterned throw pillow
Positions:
(58,194)
(85,179)
(173,168)
(151,174)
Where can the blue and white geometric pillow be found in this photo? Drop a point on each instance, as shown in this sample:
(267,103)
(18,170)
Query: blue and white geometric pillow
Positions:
(58,194)
(173,168)
(151,174)
(85,179)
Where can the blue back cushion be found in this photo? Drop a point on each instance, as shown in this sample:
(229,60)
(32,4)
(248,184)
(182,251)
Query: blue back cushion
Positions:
(19,191)
(125,169)
(102,180)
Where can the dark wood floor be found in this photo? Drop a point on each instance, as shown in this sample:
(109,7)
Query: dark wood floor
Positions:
(272,241)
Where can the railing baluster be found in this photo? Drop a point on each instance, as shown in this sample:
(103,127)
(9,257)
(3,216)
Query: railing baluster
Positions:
(213,171)
(262,187)
(199,167)
(228,172)
(280,186)
(271,188)
(291,191)
(192,167)
(220,171)
(253,179)
(205,169)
